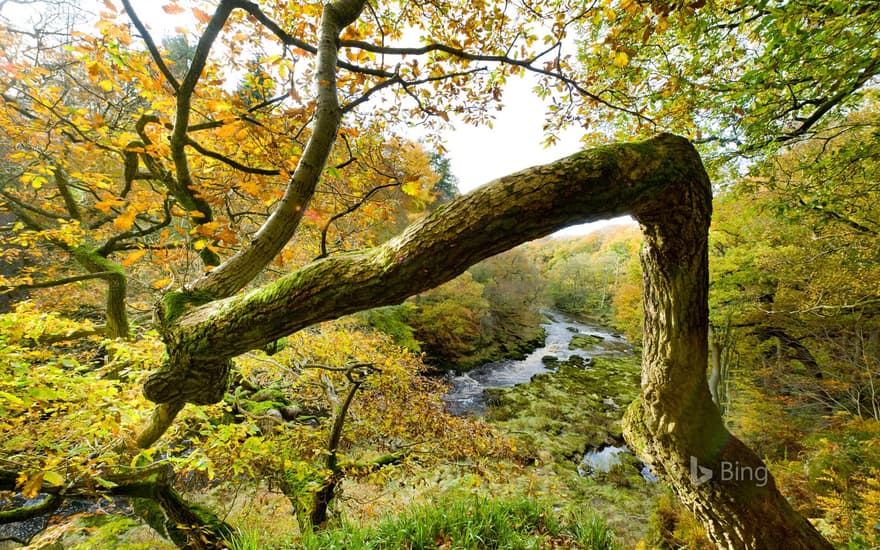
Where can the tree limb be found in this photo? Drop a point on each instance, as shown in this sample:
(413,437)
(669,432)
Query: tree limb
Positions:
(231,162)
(151,45)
(596,184)
(241,268)
(348,211)
(64,281)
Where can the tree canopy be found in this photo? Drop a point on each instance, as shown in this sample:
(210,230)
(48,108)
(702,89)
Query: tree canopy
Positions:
(253,170)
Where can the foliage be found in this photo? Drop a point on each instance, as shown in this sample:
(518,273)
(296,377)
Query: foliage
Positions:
(447,319)
(279,138)
(45,392)
(794,272)
(673,526)
(471,522)
(597,276)
(744,74)
(843,470)
(487,313)
(392,320)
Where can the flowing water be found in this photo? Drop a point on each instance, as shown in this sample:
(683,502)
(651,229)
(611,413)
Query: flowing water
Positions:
(466,393)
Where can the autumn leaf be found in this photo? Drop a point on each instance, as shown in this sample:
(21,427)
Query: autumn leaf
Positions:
(202,16)
(620,60)
(412,188)
(94,70)
(133,257)
(160,283)
(32,486)
(53,478)
(125,221)
(172,9)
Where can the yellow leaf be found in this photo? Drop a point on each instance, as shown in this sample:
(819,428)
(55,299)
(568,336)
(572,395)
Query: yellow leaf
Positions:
(94,71)
(11,398)
(172,9)
(32,487)
(53,478)
(621,60)
(161,283)
(200,244)
(125,220)
(106,85)
(412,188)
(202,16)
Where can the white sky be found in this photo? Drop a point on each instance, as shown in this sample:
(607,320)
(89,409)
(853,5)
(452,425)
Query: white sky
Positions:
(480,155)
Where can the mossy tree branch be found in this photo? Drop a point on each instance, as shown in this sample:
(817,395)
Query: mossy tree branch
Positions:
(661,182)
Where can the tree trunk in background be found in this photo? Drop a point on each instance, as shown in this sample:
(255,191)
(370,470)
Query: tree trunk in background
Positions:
(674,425)
(715,370)
(117,290)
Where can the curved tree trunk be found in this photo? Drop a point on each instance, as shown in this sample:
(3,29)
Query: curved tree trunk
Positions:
(674,425)
(662,182)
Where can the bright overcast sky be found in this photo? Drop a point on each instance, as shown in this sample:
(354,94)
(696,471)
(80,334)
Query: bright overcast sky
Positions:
(480,155)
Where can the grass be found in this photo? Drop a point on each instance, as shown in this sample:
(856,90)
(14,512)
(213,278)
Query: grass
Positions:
(466,522)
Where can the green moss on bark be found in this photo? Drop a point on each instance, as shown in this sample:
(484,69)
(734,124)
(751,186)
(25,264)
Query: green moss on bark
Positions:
(176,303)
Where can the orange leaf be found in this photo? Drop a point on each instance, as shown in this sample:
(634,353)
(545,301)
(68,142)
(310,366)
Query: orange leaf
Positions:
(133,257)
(202,16)
(125,221)
(172,9)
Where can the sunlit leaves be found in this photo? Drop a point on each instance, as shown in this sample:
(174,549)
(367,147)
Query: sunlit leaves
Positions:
(172,9)
(62,418)
(740,72)
(201,15)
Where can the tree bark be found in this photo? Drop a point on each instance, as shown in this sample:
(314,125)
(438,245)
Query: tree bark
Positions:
(674,425)
(239,270)
(201,335)
(117,290)
(662,182)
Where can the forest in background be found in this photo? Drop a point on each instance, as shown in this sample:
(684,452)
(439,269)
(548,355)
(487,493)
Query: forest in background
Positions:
(339,429)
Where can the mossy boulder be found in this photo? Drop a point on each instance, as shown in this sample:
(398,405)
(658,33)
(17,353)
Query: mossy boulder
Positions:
(586,342)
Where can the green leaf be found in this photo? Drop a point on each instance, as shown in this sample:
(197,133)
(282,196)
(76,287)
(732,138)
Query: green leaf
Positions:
(107,484)
(11,398)
(53,478)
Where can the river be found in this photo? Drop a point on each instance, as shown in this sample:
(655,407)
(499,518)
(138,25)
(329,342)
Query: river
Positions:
(466,393)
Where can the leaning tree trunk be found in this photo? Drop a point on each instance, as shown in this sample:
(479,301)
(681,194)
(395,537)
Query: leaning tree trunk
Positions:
(675,425)
(114,274)
(662,182)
